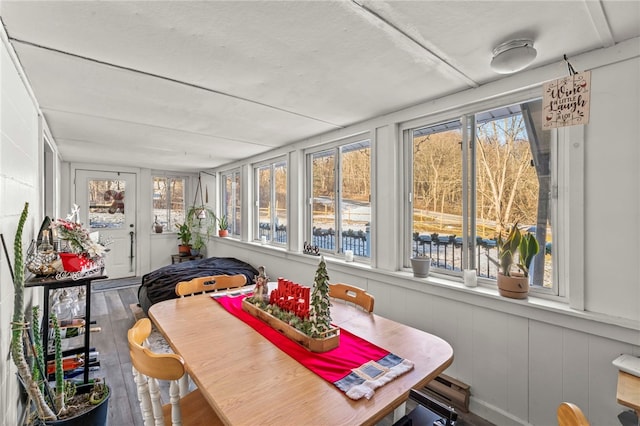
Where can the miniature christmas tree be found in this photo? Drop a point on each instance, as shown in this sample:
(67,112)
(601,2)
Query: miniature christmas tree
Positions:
(319,315)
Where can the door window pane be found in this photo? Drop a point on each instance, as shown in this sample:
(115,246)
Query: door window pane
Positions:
(106,203)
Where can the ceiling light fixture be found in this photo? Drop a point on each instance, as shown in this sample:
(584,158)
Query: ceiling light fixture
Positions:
(513,56)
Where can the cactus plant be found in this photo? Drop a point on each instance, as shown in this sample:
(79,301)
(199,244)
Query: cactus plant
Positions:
(36,383)
(18,325)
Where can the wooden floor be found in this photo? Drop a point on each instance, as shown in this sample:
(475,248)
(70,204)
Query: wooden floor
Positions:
(110,309)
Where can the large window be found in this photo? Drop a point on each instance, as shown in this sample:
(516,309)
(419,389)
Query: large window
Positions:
(475,177)
(340,198)
(169,201)
(271,203)
(231,200)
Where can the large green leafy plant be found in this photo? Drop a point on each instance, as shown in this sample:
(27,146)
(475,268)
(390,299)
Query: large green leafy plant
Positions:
(201,221)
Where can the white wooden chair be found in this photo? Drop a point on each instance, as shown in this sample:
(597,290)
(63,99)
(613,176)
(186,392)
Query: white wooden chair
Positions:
(352,294)
(148,367)
(211,283)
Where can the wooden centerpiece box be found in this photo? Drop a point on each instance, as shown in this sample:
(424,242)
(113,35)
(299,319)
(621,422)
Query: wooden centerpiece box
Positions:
(330,339)
(293,303)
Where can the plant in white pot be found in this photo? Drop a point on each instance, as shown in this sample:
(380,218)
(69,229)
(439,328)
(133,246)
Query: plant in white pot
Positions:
(515,254)
(421,265)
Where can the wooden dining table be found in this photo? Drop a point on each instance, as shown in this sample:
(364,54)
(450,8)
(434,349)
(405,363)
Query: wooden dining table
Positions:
(249,381)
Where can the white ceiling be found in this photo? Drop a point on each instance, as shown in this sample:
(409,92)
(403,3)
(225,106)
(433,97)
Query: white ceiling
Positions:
(187,85)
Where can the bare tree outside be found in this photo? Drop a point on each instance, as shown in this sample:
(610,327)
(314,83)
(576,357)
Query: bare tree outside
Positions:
(511,187)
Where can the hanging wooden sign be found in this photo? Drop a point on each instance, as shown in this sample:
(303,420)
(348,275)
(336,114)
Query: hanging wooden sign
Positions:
(566,101)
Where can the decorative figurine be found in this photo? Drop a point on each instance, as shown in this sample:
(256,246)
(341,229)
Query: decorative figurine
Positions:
(261,290)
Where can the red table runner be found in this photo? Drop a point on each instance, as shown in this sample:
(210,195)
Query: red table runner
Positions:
(357,367)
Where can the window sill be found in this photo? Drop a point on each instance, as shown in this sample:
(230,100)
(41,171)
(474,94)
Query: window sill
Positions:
(555,312)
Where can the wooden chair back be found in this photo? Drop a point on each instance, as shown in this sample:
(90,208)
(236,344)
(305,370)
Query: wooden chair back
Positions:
(571,415)
(184,408)
(352,294)
(210,283)
(159,366)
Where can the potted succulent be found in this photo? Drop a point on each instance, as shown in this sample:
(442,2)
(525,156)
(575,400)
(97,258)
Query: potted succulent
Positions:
(184,235)
(223,226)
(515,252)
(57,408)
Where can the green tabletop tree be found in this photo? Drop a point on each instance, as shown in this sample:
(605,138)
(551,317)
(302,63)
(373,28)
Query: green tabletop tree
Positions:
(319,314)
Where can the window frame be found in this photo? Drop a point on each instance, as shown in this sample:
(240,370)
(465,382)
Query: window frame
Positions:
(559,176)
(335,147)
(167,176)
(234,225)
(272,164)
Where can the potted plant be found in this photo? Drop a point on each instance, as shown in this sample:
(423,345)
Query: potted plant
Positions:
(53,410)
(184,235)
(515,254)
(202,224)
(157,226)
(420,264)
(223,226)
(198,244)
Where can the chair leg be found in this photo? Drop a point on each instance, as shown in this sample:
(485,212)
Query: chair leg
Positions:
(174,400)
(184,385)
(156,403)
(143,397)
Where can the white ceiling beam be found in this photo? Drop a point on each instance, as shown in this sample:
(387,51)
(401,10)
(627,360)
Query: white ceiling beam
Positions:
(432,55)
(600,22)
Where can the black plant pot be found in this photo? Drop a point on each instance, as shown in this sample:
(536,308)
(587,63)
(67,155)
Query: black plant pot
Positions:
(97,416)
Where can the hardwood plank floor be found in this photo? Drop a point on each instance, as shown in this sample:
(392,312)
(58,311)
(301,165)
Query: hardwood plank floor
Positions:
(110,311)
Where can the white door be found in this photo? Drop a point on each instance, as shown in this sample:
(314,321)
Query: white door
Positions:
(107,202)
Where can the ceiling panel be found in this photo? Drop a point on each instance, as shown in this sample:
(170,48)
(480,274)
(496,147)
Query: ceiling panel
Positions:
(232,79)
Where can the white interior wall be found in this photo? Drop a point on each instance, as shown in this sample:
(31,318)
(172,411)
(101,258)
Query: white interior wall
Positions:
(612,205)
(21,154)
(521,358)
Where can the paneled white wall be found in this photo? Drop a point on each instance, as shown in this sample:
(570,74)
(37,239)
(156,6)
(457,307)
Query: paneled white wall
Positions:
(20,153)
(519,367)
(521,358)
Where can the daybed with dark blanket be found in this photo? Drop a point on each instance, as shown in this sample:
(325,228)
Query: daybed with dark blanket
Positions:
(160,284)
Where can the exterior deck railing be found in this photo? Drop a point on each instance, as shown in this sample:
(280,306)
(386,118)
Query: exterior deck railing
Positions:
(444,250)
